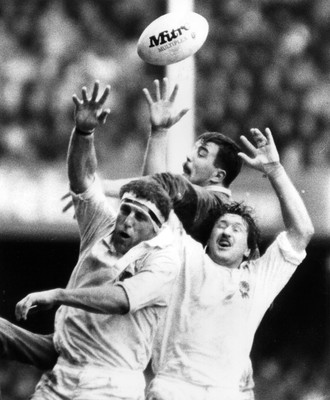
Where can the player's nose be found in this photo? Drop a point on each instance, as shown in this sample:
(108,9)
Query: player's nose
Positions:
(129,220)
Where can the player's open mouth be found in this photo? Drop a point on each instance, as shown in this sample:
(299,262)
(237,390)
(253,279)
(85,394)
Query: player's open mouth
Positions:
(224,243)
(186,169)
(124,235)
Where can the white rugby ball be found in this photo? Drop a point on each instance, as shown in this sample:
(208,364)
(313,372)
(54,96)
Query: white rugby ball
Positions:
(172,38)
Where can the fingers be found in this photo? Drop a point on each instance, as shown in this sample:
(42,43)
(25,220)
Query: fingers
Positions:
(157,90)
(67,207)
(76,101)
(258,138)
(66,196)
(248,144)
(105,95)
(23,307)
(269,136)
(93,99)
(183,112)
(84,94)
(161,92)
(103,116)
(95,91)
(174,93)
(148,96)
(245,158)
(164,89)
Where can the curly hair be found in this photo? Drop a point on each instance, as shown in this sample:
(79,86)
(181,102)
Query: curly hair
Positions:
(247,214)
(226,158)
(151,191)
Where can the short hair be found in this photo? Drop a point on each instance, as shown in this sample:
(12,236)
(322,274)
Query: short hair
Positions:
(151,191)
(247,214)
(227,158)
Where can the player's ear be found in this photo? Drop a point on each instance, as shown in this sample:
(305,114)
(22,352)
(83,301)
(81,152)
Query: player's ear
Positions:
(218,176)
(247,253)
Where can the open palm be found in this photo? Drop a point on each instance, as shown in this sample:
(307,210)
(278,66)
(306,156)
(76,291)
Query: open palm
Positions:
(89,113)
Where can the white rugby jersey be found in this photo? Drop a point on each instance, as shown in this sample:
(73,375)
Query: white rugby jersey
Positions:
(150,268)
(207,335)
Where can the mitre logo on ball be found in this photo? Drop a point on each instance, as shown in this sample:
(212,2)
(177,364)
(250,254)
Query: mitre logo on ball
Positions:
(166,37)
(172,38)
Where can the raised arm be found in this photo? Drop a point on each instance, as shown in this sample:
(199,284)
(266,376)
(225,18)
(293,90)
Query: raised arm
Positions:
(162,117)
(89,114)
(266,159)
(82,160)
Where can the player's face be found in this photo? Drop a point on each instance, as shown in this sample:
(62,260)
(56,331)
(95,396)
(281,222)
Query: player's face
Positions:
(199,167)
(133,225)
(228,245)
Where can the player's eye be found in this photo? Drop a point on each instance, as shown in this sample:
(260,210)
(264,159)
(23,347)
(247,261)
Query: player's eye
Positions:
(238,228)
(125,209)
(202,152)
(140,216)
(222,225)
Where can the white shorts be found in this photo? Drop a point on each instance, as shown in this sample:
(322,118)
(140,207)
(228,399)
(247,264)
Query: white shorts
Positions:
(166,388)
(67,381)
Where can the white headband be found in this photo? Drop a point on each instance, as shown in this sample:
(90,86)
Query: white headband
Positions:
(152,211)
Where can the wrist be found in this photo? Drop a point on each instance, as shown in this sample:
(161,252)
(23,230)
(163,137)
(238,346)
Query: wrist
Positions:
(83,133)
(59,296)
(157,131)
(273,169)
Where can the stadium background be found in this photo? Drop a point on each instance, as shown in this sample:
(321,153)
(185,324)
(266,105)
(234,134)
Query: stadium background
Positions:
(265,63)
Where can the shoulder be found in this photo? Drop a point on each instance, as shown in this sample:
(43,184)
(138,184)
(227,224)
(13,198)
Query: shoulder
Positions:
(280,252)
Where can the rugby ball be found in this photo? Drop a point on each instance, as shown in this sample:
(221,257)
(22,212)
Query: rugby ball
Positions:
(172,37)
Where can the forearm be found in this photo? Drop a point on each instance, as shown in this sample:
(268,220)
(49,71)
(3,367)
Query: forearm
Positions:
(82,162)
(105,300)
(295,215)
(155,158)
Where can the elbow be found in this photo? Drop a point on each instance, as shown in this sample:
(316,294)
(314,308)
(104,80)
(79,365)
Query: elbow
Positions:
(80,184)
(122,305)
(307,232)
(122,308)
(301,235)
(310,231)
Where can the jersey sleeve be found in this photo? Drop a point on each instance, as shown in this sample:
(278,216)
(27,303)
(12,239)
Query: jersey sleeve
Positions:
(153,283)
(93,212)
(177,186)
(274,269)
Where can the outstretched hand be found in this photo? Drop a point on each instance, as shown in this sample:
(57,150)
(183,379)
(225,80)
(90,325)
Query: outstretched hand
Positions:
(69,203)
(163,114)
(35,301)
(263,150)
(89,113)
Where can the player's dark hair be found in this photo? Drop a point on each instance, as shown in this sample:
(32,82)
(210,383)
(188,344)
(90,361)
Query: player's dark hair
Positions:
(151,191)
(247,213)
(227,158)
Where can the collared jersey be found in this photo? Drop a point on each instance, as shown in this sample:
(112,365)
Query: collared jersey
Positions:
(146,273)
(214,312)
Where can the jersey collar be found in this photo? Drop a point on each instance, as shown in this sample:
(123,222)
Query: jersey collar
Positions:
(221,189)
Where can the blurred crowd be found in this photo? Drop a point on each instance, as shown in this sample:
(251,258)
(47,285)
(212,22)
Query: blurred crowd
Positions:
(48,51)
(265,63)
(278,379)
